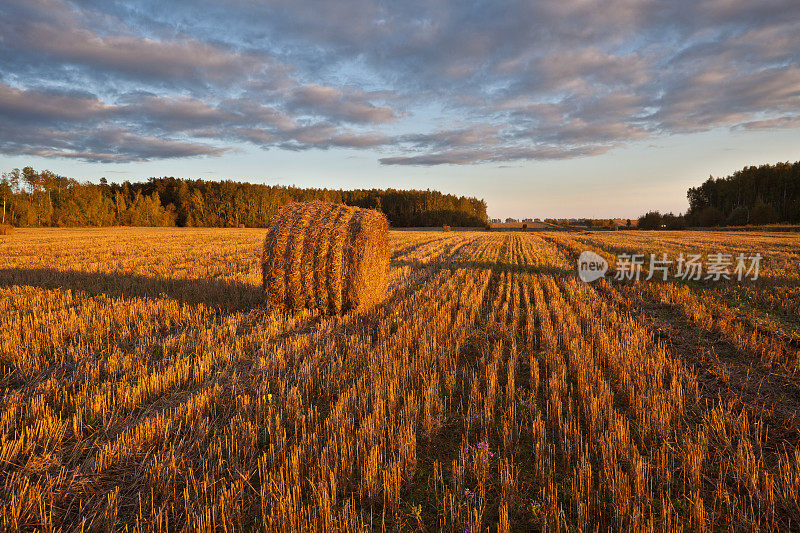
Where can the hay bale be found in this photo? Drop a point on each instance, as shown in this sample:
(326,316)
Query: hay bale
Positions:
(445,228)
(5,229)
(241,226)
(324,256)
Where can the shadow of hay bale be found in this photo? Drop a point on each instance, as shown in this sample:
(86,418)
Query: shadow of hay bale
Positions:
(226,296)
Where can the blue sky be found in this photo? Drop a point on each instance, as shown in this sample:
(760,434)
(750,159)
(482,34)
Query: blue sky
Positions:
(588,108)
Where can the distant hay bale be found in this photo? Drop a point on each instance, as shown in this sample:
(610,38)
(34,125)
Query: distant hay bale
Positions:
(325,256)
(5,229)
(445,228)
(241,226)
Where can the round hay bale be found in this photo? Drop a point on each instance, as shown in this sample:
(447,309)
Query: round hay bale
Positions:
(6,229)
(445,228)
(324,256)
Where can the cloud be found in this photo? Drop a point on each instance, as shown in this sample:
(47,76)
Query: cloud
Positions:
(48,105)
(772,123)
(348,106)
(144,126)
(97,145)
(720,96)
(472,157)
(414,83)
(125,143)
(137,56)
(453,158)
(51,123)
(174,113)
(79,43)
(472,135)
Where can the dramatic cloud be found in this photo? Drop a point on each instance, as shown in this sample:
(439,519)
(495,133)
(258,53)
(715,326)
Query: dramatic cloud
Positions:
(417,82)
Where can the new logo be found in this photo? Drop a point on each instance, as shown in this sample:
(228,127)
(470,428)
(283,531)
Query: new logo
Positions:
(591,266)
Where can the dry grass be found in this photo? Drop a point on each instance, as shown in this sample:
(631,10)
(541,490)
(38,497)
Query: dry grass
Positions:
(324,256)
(146,385)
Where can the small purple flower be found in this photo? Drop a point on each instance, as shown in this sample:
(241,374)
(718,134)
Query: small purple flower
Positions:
(485,453)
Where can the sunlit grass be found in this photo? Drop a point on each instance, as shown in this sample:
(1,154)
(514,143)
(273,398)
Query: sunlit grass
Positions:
(145,384)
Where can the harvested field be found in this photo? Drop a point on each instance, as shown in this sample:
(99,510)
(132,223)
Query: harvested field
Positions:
(146,384)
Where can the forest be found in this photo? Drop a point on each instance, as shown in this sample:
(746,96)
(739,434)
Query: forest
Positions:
(765,194)
(31,198)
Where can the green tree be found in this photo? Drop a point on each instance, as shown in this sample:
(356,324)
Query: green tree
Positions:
(763,213)
(651,220)
(49,199)
(739,216)
(709,217)
(674,222)
(776,185)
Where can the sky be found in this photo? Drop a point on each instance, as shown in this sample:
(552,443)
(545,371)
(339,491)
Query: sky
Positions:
(595,108)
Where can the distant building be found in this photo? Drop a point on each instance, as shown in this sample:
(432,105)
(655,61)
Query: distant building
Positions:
(527,220)
(496,220)
(510,220)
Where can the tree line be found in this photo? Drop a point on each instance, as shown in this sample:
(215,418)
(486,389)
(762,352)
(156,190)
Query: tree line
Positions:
(764,194)
(755,195)
(31,198)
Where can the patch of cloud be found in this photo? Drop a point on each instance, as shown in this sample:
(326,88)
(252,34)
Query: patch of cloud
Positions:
(80,44)
(792,121)
(723,96)
(97,145)
(42,105)
(476,156)
(348,106)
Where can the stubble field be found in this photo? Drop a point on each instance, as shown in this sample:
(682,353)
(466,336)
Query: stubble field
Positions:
(145,385)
